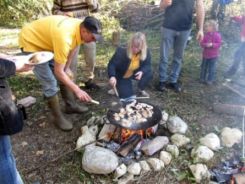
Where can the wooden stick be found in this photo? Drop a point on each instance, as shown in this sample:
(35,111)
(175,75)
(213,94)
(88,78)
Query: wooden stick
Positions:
(95,102)
(235,110)
(234,90)
(26,171)
(142,97)
(116,92)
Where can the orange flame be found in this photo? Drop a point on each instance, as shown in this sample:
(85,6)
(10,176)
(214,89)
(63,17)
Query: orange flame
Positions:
(126,133)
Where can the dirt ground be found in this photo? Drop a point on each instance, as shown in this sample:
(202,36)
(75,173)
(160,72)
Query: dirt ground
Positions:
(44,153)
(41,142)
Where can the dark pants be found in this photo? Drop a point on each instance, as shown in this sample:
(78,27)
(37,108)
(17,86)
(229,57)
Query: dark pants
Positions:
(125,86)
(208,70)
(239,57)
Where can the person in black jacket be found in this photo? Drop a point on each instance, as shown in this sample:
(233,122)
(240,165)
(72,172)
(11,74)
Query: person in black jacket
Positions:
(131,63)
(8,171)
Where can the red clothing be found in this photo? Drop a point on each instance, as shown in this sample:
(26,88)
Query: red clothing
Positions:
(241,20)
(213,51)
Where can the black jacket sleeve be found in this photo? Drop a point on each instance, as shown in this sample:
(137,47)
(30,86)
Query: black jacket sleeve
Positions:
(7,68)
(114,62)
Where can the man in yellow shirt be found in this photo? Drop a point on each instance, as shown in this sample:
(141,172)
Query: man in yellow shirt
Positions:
(60,35)
(81,9)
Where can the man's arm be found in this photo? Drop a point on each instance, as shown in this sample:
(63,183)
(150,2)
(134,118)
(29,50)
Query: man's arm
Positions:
(59,70)
(165,3)
(200,18)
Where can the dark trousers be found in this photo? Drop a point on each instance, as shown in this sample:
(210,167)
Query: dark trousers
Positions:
(125,86)
(239,57)
(208,69)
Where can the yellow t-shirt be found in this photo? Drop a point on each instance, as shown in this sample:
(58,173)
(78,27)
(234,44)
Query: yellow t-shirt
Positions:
(134,65)
(58,34)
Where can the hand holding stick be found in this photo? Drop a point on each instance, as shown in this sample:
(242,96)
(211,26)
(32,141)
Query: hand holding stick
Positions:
(116,92)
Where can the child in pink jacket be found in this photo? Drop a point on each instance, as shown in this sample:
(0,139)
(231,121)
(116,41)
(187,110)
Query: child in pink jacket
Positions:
(211,44)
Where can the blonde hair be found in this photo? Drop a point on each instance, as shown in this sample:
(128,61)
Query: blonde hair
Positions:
(212,23)
(140,38)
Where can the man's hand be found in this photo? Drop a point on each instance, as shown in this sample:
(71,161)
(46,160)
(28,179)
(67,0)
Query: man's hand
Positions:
(138,75)
(113,81)
(200,11)
(22,67)
(199,36)
(82,95)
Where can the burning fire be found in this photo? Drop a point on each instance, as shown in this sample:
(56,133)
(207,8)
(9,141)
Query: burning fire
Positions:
(126,133)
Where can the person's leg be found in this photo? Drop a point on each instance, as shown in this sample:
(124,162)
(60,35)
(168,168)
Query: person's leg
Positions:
(236,62)
(89,50)
(179,47)
(73,65)
(203,72)
(125,88)
(243,57)
(212,69)
(167,38)
(71,105)
(45,75)
(145,80)
(8,171)
(48,81)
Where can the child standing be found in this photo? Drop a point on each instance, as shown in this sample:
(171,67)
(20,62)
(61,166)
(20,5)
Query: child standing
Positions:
(210,44)
(239,55)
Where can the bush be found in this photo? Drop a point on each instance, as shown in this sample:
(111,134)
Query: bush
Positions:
(16,12)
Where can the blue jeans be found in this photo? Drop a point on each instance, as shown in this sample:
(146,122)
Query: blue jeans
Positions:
(176,40)
(239,57)
(8,171)
(125,86)
(208,70)
(45,75)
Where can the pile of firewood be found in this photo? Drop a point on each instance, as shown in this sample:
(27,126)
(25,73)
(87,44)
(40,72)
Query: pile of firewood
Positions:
(135,16)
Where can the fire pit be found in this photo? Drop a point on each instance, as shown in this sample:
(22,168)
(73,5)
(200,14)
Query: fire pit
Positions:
(131,133)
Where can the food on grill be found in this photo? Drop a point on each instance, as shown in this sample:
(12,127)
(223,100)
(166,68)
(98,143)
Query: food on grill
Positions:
(35,59)
(134,113)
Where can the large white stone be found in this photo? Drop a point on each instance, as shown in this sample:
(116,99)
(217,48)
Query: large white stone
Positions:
(202,154)
(120,170)
(166,157)
(164,118)
(88,136)
(98,160)
(212,141)
(200,172)
(230,136)
(155,145)
(179,140)
(173,149)
(27,101)
(177,125)
(134,168)
(144,166)
(156,164)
